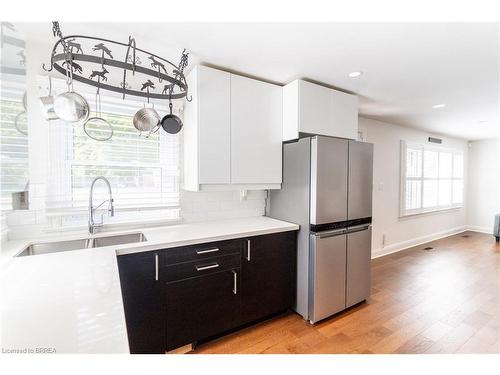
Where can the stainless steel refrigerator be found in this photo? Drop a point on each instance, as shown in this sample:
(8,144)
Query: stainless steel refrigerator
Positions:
(327,189)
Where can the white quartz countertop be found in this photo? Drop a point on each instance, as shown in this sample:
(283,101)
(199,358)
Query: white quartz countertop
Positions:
(71,301)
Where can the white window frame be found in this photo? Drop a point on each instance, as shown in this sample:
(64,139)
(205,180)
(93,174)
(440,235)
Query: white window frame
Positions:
(12,91)
(57,209)
(403,212)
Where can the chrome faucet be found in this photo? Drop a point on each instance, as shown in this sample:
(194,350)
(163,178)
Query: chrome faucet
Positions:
(111,209)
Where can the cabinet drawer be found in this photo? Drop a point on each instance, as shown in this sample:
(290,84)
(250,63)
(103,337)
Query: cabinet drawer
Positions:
(200,267)
(202,251)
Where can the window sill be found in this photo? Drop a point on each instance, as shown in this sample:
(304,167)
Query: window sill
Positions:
(430,212)
(70,211)
(123,225)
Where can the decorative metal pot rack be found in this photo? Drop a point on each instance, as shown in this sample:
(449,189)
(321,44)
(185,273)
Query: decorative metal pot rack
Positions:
(67,52)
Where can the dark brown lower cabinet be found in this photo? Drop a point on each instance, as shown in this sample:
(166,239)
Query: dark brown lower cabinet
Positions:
(174,297)
(268,276)
(143,303)
(201,307)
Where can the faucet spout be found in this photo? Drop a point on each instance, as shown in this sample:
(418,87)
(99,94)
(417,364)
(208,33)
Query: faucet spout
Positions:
(111,209)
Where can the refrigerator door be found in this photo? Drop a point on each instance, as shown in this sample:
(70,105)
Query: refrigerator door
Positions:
(327,275)
(358,264)
(328,180)
(360,180)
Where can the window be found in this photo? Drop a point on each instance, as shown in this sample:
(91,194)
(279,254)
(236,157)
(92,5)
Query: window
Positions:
(431,178)
(143,171)
(13,139)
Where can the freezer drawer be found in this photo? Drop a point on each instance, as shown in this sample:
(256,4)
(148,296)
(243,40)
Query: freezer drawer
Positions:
(327,276)
(358,266)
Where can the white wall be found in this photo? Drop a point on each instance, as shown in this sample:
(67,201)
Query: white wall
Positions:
(409,231)
(483,185)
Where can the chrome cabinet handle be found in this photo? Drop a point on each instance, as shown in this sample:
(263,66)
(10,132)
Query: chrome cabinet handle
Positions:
(202,268)
(235,282)
(248,250)
(156,267)
(215,249)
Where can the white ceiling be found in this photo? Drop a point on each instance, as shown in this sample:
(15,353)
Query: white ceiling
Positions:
(407,67)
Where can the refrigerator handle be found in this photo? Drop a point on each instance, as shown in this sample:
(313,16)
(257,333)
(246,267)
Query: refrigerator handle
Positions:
(358,228)
(331,233)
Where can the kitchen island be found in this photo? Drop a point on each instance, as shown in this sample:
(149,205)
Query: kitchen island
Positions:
(71,301)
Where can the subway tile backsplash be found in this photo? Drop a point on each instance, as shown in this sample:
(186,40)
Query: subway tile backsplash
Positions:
(202,206)
(195,207)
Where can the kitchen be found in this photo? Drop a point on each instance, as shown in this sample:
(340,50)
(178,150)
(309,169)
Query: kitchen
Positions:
(171,199)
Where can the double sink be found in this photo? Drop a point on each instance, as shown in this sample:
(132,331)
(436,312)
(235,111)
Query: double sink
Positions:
(79,244)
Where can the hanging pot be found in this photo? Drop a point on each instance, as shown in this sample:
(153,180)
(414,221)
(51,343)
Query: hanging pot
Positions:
(146,119)
(47,104)
(171,123)
(71,106)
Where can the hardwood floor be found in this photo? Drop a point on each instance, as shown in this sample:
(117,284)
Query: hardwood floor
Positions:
(444,300)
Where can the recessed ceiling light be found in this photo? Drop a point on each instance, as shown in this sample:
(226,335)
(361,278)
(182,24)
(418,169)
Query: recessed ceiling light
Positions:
(482,122)
(355,74)
(436,106)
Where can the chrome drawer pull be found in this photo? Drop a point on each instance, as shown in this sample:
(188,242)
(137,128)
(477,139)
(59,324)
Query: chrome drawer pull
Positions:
(248,250)
(156,267)
(202,268)
(214,250)
(235,282)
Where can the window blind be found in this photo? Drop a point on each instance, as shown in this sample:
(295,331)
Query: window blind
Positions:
(143,171)
(13,143)
(431,178)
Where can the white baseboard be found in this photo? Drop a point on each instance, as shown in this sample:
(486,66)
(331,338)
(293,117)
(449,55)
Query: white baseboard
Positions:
(394,248)
(476,228)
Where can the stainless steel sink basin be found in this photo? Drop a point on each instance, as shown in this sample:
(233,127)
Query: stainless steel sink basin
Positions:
(53,247)
(85,243)
(118,240)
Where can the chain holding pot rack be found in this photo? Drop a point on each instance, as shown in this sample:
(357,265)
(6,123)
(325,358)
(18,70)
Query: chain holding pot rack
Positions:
(67,52)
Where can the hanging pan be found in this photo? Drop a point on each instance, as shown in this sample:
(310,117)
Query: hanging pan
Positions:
(171,123)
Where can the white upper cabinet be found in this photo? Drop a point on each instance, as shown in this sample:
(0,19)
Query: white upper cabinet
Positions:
(256,131)
(207,128)
(232,132)
(313,109)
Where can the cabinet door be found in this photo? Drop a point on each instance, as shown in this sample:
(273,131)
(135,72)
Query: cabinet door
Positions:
(214,126)
(201,307)
(345,115)
(358,266)
(324,111)
(143,303)
(315,114)
(256,131)
(268,275)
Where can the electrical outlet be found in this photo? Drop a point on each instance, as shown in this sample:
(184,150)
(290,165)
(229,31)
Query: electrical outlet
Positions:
(384,238)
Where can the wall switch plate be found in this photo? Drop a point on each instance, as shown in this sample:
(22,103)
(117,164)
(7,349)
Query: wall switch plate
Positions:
(243,195)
